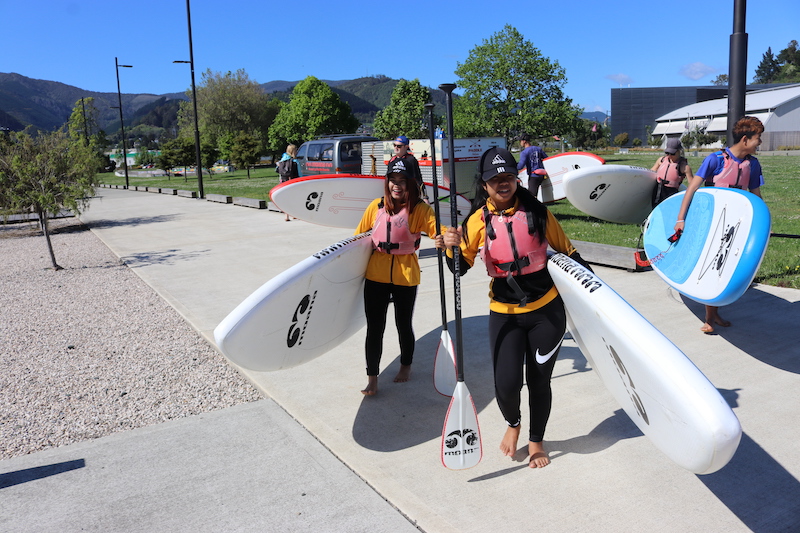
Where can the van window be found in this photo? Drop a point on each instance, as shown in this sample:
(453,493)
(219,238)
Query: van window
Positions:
(320,152)
(301,154)
(350,151)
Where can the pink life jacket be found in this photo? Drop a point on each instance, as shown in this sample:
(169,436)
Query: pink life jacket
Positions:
(509,249)
(734,175)
(391,235)
(669,173)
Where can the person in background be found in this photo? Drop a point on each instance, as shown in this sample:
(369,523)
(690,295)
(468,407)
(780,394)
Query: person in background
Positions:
(531,159)
(511,230)
(287,166)
(671,170)
(397,221)
(401,147)
(733,167)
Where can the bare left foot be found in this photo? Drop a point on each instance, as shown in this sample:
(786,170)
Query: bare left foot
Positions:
(372,386)
(508,446)
(403,375)
(539,457)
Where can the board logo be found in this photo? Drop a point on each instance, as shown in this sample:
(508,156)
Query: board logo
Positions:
(599,191)
(627,381)
(570,266)
(301,313)
(313,201)
(468,436)
(341,244)
(720,258)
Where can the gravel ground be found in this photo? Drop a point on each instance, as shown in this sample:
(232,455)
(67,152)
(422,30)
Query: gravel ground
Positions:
(91,349)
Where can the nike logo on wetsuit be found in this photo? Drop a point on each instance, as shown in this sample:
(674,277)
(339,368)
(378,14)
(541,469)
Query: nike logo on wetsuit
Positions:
(542,359)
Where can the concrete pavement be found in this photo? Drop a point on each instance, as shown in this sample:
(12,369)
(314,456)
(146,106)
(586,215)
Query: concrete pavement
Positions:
(374,462)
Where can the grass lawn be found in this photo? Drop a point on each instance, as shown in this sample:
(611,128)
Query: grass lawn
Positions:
(781,265)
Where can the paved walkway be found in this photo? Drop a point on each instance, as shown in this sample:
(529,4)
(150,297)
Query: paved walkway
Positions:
(372,464)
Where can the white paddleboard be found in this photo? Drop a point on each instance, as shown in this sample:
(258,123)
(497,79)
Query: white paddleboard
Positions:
(660,389)
(339,201)
(557,166)
(724,240)
(616,193)
(301,313)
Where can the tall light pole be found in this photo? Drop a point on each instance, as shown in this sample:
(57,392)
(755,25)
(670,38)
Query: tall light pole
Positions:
(194,102)
(122,123)
(737,67)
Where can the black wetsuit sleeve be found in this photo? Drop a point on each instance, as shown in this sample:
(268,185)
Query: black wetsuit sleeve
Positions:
(463,264)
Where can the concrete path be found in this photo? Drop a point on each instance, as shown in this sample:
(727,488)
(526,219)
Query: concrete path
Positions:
(205,258)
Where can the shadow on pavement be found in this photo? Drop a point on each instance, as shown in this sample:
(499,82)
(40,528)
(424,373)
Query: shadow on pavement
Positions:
(167,257)
(131,221)
(31,474)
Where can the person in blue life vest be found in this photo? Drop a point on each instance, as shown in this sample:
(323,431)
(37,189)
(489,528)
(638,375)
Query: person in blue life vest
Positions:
(735,167)
(397,221)
(510,230)
(671,170)
(287,166)
(401,151)
(532,159)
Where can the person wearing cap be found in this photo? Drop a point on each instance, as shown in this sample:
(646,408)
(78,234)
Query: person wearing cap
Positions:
(397,221)
(401,151)
(531,158)
(671,169)
(734,167)
(511,230)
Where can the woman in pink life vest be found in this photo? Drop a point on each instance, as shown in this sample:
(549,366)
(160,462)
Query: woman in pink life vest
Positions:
(397,221)
(671,169)
(732,167)
(510,230)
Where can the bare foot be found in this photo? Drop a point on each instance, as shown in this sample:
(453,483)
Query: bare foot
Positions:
(403,375)
(372,386)
(508,446)
(539,457)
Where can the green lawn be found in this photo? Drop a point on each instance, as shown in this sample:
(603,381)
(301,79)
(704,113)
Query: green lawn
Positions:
(781,265)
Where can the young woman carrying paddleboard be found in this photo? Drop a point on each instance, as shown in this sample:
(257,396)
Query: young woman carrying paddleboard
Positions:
(393,274)
(732,167)
(510,229)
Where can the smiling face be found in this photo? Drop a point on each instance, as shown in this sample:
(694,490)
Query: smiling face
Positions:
(501,189)
(398,188)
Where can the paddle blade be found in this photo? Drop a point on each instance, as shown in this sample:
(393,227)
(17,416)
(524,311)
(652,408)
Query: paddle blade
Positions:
(444,365)
(461,437)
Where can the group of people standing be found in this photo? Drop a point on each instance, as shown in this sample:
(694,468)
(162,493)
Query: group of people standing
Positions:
(511,230)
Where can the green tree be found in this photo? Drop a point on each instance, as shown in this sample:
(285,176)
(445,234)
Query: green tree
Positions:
(768,69)
(789,59)
(621,139)
(509,88)
(405,114)
(313,110)
(227,104)
(177,153)
(722,79)
(244,151)
(44,174)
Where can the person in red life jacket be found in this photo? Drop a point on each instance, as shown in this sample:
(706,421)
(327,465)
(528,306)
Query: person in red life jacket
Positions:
(671,170)
(510,230)
(401,147)
(732,167)
(397,221)
(532,159)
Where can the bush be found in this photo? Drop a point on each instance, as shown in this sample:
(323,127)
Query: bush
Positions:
(637,142)
(621,139)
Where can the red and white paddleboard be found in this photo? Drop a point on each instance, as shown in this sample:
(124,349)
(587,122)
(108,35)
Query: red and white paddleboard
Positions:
(552,189)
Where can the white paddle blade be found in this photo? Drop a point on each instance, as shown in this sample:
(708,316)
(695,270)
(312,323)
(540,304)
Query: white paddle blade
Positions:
(461,437)
(444,365)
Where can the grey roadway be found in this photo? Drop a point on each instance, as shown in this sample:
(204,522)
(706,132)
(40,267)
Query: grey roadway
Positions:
(316,455)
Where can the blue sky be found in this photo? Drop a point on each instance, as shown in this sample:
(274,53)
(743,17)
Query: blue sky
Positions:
(601,45)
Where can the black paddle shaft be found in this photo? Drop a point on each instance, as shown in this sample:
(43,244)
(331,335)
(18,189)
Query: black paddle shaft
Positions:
(432,139)
(448,89)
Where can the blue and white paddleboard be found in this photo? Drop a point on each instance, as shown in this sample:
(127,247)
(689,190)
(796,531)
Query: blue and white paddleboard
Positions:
(717,256)
(301,313)
(660,389)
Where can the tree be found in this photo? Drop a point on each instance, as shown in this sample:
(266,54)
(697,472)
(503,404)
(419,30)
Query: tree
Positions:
(621,139)
(44,174)
(313,110)
(789,60)
(244,151)
(768,69)
(177,153)
(227,104)
(511,88)
(722,79)
(405,114)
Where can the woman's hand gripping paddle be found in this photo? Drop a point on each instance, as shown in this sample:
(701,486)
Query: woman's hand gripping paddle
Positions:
(461,436)
(444,364)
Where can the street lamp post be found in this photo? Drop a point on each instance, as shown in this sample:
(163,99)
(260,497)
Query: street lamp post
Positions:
(194,102)
(122,123)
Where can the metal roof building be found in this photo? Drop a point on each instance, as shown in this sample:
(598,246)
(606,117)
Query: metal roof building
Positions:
(778,108)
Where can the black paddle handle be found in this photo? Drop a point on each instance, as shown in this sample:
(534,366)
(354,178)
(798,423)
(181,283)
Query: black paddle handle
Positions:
(431,137)
(448,89)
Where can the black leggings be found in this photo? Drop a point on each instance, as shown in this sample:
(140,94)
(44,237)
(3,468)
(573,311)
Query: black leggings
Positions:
(376,304)
(526,339)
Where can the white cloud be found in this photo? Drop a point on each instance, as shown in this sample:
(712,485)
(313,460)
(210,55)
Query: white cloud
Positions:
(621,79)
(697,70)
